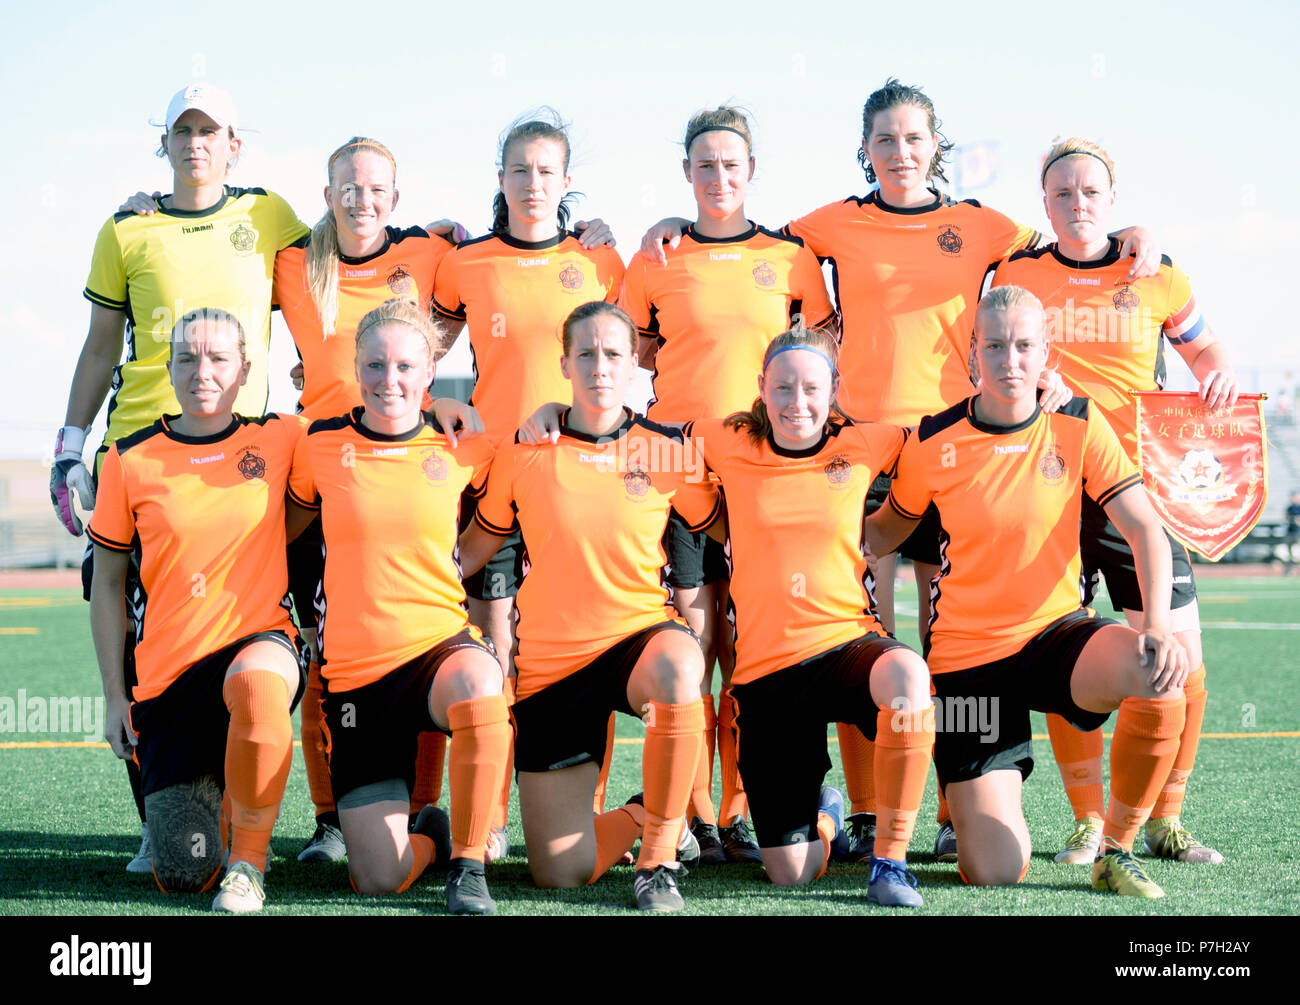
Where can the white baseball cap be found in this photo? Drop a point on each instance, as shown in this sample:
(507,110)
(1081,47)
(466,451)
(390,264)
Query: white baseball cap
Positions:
(211,101)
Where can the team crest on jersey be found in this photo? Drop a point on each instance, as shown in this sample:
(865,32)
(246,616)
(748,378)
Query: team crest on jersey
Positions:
(764,275)
(1125,301)
(571,278)
(252,464)
(434,465)
(243,238)
(400,282)
(637,482)
(838,471)
(1051,465)
(950,242)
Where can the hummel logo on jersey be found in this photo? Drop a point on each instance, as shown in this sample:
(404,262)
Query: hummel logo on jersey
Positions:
(196,230)
(387,451)
(724,256)
(209,459)
(1079,281)
(1014,448)
(528,263)
(360,273)
(604,460)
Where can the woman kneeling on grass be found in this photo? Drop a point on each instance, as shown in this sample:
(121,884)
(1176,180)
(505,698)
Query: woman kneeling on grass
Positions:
(217,660)
(592,508)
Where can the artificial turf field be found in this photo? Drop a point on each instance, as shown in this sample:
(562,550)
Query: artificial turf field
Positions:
(68,826)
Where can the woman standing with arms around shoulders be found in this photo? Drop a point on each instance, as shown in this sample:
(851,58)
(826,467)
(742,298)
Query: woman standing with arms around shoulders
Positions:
(705,318)
(1108,333)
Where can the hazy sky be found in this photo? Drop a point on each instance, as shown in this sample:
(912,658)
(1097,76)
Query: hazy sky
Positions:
(1194,101)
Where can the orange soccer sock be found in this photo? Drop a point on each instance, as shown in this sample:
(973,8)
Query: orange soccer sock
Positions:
(422,848)
(734,805)
(480,746)
(430,756)
(943,814)
(259,751)
(602,780)
(616,833)
(1170,801)
(857,755)
(314,756)
(702,794)
(825,831)
(673,736)
(1078,755)
(501,815)
(902,765)
(1141,753)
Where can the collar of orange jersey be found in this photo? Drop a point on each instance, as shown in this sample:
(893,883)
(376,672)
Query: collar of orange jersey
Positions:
(695,235)
(171,434)
(1110,258)
(629,420)
(832,429)
(550,242)
(361,260)
(939,202)
(372,434)
(995,428)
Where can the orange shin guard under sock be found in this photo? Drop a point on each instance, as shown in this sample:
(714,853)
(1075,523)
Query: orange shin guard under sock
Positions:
(480,745)
(430,757)
(501,815)
(314,758)
(943,814)
(259,752)
(1170,801)
(902,765)
(1078,755)
(857,756)
(702,794)
(734,805)
(616,833)
(602,780)
(1141,753)
(674,734)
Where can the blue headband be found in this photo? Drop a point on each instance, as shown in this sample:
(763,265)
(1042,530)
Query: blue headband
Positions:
(806,348)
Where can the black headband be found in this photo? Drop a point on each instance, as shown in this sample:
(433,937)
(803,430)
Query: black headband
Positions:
(709,129)
(1072,153)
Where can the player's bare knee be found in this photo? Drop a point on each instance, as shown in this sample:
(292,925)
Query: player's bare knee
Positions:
(373,876)
(185,831)
(901,681)
(784,870)
(560,873)
(1005,868)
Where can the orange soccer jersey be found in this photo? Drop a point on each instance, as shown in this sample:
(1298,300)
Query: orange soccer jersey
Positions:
(593,512)
(714,307)
(389,510)
(209,513)
(799,582)
(1106,332)
(515,296)
(907,282)
(403,267)
(1009,499)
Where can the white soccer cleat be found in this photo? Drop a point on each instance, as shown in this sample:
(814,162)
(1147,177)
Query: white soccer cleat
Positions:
(142,864)
(241,890)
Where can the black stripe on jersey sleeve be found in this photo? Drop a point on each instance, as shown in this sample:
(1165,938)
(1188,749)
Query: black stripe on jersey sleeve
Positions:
(652,329)
(654,427)
(932,424)
(1031,253)
(457,315)
(302,242)
(781,235)
(892,471)
(103,301)
(1115,490)
(313,505)
(1076,408)
(419,233)
(708,521)
(893,504)
(139,436)
(325,425)
(235,193)
(492,528)
(108,542)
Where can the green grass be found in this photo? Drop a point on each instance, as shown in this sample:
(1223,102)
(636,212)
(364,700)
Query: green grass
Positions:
(67,824)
